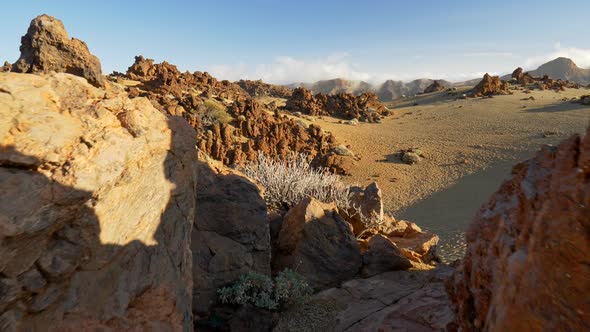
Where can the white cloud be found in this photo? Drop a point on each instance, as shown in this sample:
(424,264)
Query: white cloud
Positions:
(286,69)
(580,56)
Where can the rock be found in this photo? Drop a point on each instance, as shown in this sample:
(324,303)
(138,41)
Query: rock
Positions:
(382,256)
(6,67)
(97,199)
(411,158)
(365,107)
(341,150)
(231,234)
(527,249)
(434,87)
(490,85)
(585,100)
(391,301)
(367,204)
(316,242)
(261,89)
(47,47)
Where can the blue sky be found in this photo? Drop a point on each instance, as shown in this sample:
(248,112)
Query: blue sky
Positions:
(287,41)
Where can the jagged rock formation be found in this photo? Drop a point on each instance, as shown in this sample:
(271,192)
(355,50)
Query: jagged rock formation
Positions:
(47,47)
(97,203)
(434,87)
(261,89)
(365,107)
(231,232)
(335,86)
(526,266)
(249,129)
(529,81)
(490,85)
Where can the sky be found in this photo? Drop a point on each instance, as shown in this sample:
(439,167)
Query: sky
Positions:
(304,41)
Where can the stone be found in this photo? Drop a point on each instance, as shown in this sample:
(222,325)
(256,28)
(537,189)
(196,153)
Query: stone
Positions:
(391,301)
(382,256)
(525,267)
(231,235)
(436,86)
(318,243)
(97,192)
(47,47)
(367,204)
(260,89)
(490,85)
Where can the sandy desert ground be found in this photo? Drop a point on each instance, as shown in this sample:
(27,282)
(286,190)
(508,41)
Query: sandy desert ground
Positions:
(470,146)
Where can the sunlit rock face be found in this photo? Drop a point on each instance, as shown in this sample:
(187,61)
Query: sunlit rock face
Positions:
(528,249)
(97,200)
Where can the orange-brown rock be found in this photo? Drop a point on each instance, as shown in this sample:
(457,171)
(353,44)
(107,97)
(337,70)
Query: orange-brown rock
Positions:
(6,67)
(260,89)
(490,85)
(47,47)
(528,251)
(434,87)
(365,107)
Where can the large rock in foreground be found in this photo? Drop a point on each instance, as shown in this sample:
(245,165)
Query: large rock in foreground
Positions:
(392,301)
(315,241)
(231,234)
(47,47)
(97,200)
(527,266)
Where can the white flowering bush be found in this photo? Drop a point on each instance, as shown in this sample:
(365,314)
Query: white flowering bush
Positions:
(261,291)
(289,181)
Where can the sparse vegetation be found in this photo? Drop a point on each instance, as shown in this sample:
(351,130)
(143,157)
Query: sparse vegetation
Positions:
(288,182)
(261,291)
(212,111)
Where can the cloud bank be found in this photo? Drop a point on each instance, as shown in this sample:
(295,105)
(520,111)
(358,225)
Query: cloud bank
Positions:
(580,56)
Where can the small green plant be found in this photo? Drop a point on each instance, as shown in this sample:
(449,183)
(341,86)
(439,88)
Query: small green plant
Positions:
(261,291)
(212,112)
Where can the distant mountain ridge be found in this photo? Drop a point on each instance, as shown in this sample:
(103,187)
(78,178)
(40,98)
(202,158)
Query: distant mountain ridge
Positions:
(559,68)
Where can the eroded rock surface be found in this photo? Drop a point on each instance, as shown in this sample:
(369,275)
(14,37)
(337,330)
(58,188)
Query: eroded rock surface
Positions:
(97,200)
(365,107)
(47,47)
(489,86)
(261,89)
(526,266)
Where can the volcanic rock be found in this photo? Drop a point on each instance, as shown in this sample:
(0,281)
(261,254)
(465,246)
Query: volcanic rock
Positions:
(261,89)
(97,203)
(315,241)
(47,47)
(382,256)
(434,87)
(231,233)
(526,266)
(490,85)
(6,67)
(366,204)
(365,107)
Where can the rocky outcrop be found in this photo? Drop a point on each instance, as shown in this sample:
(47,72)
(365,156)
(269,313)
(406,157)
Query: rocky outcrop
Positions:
(231,232)
(526,266)
(436,86)
(365,107)
(97,200)
(261,89)
(391,301)
(248,128)
(490,85)
(47,47)
(367,204)
(383,255)
(6,67)
(315,241)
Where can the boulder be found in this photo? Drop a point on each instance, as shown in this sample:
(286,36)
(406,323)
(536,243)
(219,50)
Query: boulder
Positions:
(47,47)
(490,85)
(97,201)
(390,301)
(526,265)
(367,204)
(231,233)
(382,256)
(6,67)
(318,243)
(434,87)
